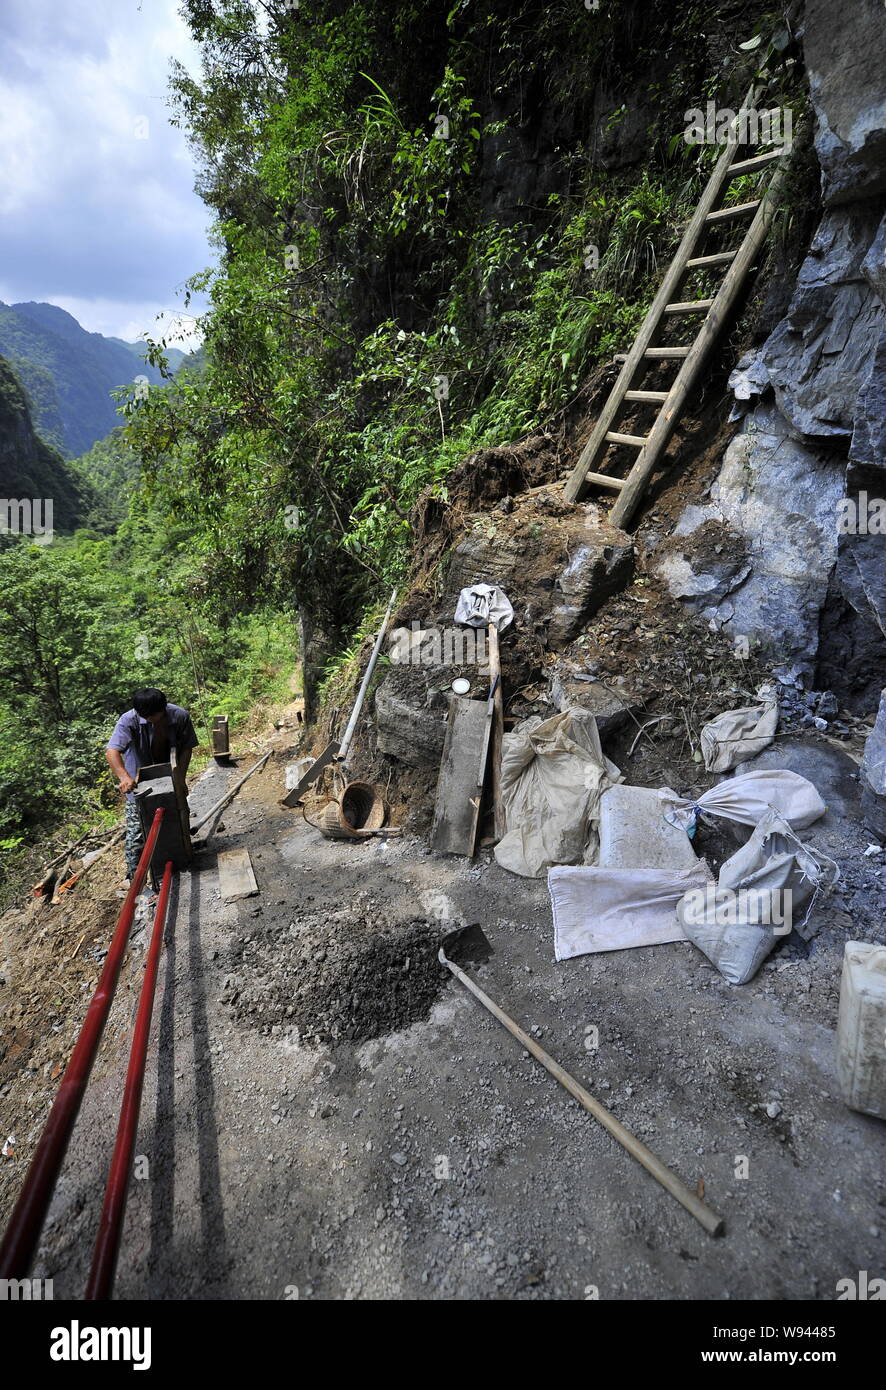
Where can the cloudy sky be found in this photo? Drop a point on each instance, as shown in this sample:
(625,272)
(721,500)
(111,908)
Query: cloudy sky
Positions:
(97,209)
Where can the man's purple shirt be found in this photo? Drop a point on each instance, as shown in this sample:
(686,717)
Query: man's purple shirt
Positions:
(133,736)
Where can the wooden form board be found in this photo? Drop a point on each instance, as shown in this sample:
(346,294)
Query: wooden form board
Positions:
(235,877)
(498,726)
(220,736)
(292,798)
(162,784)
(456,808)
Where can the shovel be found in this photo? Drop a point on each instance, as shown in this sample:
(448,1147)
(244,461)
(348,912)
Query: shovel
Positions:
(713,1224)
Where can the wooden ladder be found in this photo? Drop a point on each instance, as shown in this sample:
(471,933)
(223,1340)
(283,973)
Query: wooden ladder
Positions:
(666,307)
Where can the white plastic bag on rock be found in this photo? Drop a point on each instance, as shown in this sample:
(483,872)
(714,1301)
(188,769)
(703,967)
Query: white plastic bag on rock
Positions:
(740,734)
(614,909)
(553,773)
(482,604)
(748,798)
(759,894)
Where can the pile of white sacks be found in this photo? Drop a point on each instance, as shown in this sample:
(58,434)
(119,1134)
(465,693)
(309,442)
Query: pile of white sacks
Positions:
(621,868)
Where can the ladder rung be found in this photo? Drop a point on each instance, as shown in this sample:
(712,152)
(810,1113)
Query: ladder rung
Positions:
(603,480)
(659,397)
(696,306)
(759,161)
(739,210)
(663,354)
(637,440)
(721,258)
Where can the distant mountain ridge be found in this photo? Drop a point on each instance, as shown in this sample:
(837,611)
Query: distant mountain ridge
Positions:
(68,373)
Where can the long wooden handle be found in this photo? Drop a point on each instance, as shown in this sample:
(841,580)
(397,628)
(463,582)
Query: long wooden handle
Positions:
(361,693)
(713,1224)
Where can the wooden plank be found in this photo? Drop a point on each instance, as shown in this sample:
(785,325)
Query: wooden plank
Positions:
(293,797)
(483,764)
(235,877)
(221,746)
(152,771)
(721,258)
(179,840)
(498,728)
(759,161)
(174,840)
(666,423)
(456,806)
(576,483)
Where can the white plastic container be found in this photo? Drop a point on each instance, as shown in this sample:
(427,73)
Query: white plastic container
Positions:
(861,1028)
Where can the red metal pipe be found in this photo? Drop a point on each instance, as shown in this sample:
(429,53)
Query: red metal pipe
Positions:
(110,1228)
(29,1212)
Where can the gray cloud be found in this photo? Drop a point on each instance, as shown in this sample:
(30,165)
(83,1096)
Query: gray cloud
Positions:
(97,205)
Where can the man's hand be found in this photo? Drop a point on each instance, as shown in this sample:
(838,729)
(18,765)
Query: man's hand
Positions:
(118,767)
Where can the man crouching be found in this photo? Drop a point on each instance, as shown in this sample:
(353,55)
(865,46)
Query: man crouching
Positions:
(144,735)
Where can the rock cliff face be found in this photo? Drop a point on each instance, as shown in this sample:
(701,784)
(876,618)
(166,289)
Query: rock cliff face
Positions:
(815,396)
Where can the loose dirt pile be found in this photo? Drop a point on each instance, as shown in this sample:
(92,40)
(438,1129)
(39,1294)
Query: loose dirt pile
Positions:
(335,974)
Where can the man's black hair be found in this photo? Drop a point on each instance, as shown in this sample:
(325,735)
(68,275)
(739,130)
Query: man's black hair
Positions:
(148,701)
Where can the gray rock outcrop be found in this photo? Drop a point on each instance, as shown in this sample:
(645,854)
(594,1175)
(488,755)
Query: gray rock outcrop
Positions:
(815,396)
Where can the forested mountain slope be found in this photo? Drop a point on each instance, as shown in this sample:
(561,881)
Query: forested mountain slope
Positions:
(69,374)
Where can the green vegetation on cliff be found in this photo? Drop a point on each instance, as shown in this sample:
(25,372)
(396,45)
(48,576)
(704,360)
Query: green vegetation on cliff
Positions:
(432,224)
